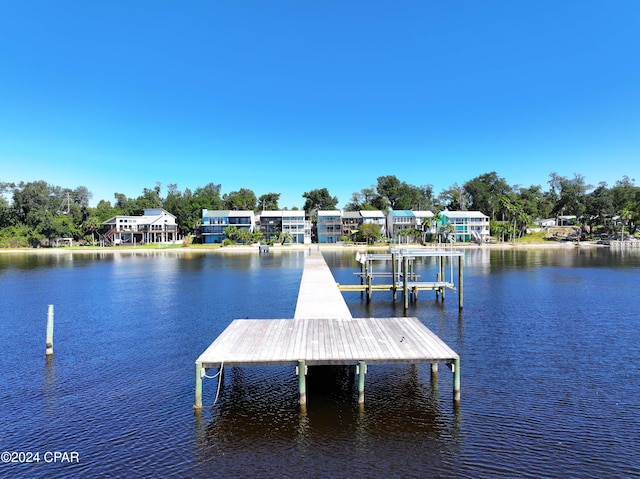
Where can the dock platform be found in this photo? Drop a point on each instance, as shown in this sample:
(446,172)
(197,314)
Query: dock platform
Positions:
(323,332)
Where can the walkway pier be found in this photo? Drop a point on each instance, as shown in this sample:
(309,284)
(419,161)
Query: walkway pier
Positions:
(402,276)
(323,332)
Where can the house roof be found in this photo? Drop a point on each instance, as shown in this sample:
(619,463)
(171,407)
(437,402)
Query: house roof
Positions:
(463,214)
(371,214)
(401,213)
(423,214)
(151,216)
(227,213)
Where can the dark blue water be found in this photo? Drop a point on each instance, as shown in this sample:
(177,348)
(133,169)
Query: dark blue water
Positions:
(549,341)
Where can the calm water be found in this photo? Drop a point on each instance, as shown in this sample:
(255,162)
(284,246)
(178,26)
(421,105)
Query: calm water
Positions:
(549,341)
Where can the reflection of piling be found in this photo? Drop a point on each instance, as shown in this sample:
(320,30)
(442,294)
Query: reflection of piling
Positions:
(49,350)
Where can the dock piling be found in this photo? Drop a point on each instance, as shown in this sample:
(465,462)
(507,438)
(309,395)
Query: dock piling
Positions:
(49,346)
(456,381)
(198,396)
(301,371)
(460,282)
(362,370)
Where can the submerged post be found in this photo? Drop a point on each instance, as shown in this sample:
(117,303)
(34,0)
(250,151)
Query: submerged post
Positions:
(460,281)
(49,350)
(362,370)
(198,399)
(405,281)
(456,381)
(302,381)
(394,274)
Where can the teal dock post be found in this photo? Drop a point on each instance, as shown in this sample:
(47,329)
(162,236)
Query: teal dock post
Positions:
(405,281)
(362,370)
(456,381)
(394,276)
(442,276)
(49,350)
(460,282)
(302,381)
(198,400)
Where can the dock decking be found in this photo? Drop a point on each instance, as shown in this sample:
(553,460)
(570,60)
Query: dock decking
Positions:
(323,332)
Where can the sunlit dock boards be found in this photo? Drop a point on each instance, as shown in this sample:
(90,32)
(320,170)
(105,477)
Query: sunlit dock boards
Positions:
(324,333)
(325,341)
(318,295)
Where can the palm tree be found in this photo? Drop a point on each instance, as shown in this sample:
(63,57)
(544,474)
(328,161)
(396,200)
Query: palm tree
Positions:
(625,215)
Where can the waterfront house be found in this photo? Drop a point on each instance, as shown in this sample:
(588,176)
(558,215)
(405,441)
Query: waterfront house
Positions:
(211,228)
(398,220)
(155,225)
(468,225)
(329,226)
(272,223)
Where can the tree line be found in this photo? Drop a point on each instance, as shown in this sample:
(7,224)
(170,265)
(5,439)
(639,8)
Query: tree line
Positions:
(35,213)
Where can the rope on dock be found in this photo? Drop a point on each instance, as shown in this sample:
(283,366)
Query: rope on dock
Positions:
(219,376)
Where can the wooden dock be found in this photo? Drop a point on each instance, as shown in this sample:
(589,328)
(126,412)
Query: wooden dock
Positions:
(323,332)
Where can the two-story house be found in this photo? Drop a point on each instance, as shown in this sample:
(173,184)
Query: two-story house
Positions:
(155,225)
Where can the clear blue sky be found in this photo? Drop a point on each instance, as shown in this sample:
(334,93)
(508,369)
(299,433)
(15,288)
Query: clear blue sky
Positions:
(289,96)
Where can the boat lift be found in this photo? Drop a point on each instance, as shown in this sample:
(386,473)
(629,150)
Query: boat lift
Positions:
(403,276)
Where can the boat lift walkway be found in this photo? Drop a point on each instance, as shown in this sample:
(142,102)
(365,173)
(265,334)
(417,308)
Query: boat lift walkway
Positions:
(323,332)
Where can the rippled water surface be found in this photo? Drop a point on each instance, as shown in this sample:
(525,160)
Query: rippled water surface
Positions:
(550,358)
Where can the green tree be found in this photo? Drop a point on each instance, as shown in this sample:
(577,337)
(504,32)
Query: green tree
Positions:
(317,200)
(483,193)
(369,232)
(453,198)
(570,194)
(243,199)
(269,202)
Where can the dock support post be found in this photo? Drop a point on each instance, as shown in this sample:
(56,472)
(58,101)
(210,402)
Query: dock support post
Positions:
(442,276)
(362,370)
(49,347)
(405,281)
(302,381)
(394,274)
(198,399)
(456,381)
(460,282)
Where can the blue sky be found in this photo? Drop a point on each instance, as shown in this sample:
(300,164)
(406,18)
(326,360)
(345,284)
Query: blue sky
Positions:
(290,96)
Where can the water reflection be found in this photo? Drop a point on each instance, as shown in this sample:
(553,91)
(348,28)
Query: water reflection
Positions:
(258,411)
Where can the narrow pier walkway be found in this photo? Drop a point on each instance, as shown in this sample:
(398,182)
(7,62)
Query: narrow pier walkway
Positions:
(323,332)
(316,297)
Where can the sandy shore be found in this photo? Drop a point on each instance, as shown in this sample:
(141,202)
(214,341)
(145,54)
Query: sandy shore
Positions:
(295,247)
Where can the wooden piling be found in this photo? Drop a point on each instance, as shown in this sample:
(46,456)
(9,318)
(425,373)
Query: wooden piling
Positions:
(394,276)
(460,282)
(302,381)
(405,281)
(362,370)
(198,396)
(49,345)
(456,380)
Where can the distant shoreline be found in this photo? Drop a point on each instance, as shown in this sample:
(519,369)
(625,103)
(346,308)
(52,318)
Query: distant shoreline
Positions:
(294,247)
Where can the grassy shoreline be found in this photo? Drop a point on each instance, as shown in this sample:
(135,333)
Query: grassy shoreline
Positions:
(294,247)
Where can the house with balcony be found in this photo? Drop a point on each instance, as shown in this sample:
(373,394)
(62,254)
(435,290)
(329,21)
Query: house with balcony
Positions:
(398,220)
(329,226)
(155,225)
(213,223)
(272,223)
(468,225)
(375,217)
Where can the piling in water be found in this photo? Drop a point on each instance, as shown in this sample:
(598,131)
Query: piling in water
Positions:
(49,350)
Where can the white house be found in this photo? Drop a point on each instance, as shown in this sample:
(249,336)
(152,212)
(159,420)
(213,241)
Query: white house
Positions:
(154,226)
